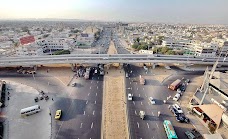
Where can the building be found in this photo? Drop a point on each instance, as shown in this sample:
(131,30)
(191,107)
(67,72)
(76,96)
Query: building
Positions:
(177,44)
(213,111)
(51,45)
(85,39)
(206,50)
(224,49)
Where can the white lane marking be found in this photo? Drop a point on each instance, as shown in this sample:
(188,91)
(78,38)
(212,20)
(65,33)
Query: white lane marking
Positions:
(137,88)
(97,87)
(152,113)
(91,81)
(95,102)
(97,81)
(135,112)
(86,101)
(148,125)
(157,125)
(138,124)
(133,102)
(84,113)
(81,125)
(143,88)
(90,87)
(149,103)
(130,82)
(98,78)
(139,95)
(92,125)
(96,94)
(88,94)
(136,83)
(141,103)
(93,112)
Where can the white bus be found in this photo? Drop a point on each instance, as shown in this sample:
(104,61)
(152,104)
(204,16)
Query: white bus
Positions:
(30,110)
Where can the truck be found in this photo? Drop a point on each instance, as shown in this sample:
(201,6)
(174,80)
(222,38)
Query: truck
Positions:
(173,86)
(87,73)
(142,114)
(142,80)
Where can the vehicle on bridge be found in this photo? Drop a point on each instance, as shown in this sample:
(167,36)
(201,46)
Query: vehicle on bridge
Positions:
(142,80)
(87,73)
(142,114)
(173,86)
(170,132)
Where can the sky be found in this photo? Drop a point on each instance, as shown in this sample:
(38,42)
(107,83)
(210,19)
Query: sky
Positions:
(165,11)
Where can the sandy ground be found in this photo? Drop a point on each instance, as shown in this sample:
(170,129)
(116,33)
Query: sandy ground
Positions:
(114,121)
(115,118)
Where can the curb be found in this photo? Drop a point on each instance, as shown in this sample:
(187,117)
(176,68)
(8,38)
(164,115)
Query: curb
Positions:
(102,117)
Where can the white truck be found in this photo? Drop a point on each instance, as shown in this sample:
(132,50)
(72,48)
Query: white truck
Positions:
(87,73)
(142,114)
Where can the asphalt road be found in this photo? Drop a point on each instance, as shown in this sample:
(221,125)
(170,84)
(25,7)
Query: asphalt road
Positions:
(152,126)
(82,116)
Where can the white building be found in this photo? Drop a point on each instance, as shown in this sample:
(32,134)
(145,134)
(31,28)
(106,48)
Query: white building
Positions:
(31,49)
(145,52)
(85,39)
(177,44)
(224,49)
(50,45)
(206,50)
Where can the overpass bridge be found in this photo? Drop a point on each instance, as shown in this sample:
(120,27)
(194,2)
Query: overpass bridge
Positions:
(106,58)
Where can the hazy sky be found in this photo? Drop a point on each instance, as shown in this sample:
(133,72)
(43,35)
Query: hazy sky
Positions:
(174,11)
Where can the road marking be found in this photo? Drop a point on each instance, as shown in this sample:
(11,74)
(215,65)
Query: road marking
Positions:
(86,101)
(139,95)
(149,103)
(84,113)
(135,112)
(98,78)
(92,125)
(138,124)
(145,95)
(81,125)
(96,94)
(97,81)
(95,102)
(152,113)
(91,81)
(148,125)
(93,112)
(90,87)
(137,88)
(157,125)
(130,82)
(97,87)
(133,102)
(143,88)
(141,103)
(88,94)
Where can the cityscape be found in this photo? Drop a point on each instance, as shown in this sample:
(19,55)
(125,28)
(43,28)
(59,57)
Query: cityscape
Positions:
(114,69)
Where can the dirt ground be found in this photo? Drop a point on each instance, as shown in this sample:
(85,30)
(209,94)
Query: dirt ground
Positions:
(115,118)
(114,121)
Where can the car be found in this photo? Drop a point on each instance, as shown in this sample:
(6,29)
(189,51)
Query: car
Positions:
(176,97)
(95,71)
(152,101)
(130,96)
(174,111)
(193,134)
(73,84)
(187,81)
(182,87)
(178,108)
(58,114)
(182,119)
(127,75)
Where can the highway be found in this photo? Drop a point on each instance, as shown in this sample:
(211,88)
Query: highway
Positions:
(105,58)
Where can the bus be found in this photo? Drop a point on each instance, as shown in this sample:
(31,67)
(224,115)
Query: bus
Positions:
(30,110)
(170,132)
(173,86)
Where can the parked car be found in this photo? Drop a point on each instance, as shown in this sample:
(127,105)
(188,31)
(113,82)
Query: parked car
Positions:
(174,111)
(181,118)
(58,114)
(183,87)
(178,108)
(152,101)
(193,134)
(176,97)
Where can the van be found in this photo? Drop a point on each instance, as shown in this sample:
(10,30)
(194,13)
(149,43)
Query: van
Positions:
(30,110)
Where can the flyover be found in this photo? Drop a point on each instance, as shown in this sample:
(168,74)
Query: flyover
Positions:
(106,58)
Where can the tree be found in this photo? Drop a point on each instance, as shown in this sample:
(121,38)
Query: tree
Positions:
(138,40)
(164,49)
(170,52)
(61,52)
(135,46)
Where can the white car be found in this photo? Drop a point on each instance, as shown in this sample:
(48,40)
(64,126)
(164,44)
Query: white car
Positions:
(177,108)
(152,101)
(130,96)
(176,97)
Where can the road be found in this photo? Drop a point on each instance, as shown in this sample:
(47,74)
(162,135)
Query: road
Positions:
(152,126)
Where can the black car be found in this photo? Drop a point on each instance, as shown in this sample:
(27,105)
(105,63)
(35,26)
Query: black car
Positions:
(181,118)
(182,87)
